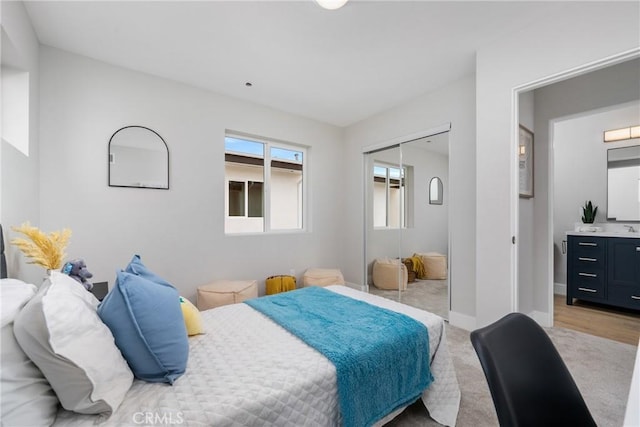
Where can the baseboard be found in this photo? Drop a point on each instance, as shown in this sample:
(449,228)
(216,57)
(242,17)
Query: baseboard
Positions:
(560,288)
(463,321)
(541,318)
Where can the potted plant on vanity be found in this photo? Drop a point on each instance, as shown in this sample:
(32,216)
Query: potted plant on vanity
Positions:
(589,212)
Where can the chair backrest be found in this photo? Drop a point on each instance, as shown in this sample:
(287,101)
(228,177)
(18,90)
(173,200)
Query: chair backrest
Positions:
(529,382)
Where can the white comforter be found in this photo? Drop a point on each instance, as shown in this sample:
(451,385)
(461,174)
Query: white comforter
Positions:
(248,371)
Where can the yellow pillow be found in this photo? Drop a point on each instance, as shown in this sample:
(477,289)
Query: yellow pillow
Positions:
(192,319)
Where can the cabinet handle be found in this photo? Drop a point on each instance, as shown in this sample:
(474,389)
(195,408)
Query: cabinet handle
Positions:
(587,244)
(587,275)
(587,259)
(588,290)
(635,297)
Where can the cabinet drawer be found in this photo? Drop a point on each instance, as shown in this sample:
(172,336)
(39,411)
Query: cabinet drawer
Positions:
(585,262)
(588,274)
(588,247)
(625,296)
(588,290)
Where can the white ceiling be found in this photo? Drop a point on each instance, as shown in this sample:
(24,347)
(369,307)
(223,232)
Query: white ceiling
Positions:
(336,66)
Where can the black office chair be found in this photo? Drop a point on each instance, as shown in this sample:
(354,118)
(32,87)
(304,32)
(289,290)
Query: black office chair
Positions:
(529,382)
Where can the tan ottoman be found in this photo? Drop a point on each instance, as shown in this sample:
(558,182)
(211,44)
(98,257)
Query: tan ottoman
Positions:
(322,277)
(389,274)
(435,265)
(224,292)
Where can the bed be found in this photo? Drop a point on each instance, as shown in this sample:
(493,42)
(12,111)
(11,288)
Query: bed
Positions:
(246,370)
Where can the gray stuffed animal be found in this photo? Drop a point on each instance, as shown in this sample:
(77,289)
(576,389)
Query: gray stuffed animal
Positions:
(77,269)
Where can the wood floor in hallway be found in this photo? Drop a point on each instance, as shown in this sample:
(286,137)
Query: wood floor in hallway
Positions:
(595,319)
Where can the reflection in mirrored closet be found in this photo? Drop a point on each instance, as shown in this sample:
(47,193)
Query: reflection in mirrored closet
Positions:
(407,227)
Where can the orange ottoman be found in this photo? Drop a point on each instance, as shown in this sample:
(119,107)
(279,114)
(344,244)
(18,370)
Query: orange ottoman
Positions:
(224,292)
(277,284)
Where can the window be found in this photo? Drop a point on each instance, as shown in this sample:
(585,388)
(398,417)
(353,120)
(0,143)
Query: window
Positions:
(258,198)
(389,208)
(15,107)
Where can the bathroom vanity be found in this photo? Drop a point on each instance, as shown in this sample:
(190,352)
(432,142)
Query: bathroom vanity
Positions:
(604,268)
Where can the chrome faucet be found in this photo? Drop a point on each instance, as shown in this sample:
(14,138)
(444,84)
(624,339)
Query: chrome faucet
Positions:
(631,229)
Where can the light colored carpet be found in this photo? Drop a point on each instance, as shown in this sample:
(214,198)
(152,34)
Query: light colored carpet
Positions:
(601,368)
(429,295)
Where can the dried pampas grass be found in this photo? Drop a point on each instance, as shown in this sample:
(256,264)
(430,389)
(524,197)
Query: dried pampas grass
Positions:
(45,250)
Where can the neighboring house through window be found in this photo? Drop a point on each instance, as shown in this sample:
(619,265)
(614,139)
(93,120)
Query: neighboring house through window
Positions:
(258,198)
(389,210)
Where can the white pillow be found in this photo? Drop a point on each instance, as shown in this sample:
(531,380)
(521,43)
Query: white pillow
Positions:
(26,396)
(61,332)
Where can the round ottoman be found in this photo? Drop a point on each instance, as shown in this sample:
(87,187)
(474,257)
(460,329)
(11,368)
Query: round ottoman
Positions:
(389,274)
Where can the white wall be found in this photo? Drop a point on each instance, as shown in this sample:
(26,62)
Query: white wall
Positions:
(580,170)
(561,41)
(19,185)
(178,232)
(453,103)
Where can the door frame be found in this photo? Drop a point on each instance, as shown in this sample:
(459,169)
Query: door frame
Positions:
(548,318)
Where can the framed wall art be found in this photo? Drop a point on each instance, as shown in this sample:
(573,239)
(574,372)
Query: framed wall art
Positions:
(525,162)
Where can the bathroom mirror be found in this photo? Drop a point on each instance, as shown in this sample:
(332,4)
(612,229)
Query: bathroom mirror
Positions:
(138,158)
(623,184)
(435,191)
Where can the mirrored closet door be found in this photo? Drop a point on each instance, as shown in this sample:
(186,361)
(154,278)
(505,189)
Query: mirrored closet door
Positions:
(406,222)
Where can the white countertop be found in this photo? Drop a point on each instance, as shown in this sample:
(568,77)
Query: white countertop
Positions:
(627,234)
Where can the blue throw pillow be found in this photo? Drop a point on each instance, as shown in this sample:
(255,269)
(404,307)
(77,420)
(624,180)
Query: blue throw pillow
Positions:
(146,321)
(139,269)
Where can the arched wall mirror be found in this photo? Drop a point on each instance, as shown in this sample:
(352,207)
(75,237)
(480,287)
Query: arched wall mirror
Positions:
(435,191)
(138,158)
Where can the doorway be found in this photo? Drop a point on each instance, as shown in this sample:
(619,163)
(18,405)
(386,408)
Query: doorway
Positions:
(540,265)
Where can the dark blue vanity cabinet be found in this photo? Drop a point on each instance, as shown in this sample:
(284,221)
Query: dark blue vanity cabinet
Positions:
(604,270)
(623,272)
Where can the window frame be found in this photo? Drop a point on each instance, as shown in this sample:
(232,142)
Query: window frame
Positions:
(402,195)
(268,144)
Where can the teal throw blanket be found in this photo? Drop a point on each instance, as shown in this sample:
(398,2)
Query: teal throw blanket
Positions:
(381,357)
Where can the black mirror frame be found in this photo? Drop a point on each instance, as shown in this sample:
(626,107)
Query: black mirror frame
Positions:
(133,186)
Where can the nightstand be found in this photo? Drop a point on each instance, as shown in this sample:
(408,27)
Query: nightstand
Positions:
(100,290)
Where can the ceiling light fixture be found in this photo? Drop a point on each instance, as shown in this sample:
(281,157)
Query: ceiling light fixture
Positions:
(622,134)
(331,4)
